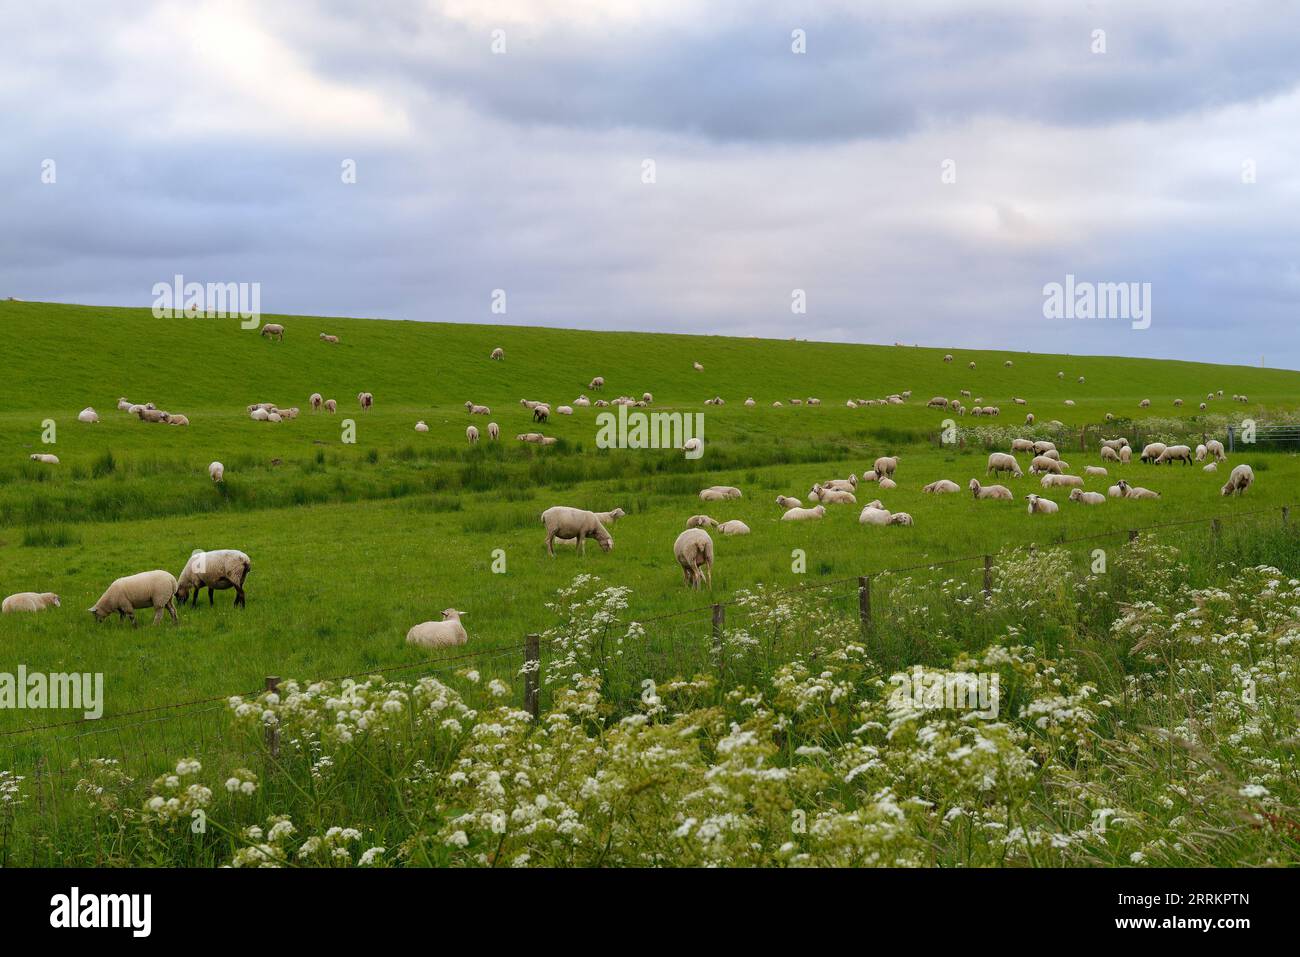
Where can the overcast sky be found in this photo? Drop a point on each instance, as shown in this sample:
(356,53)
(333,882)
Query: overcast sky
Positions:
(209,139)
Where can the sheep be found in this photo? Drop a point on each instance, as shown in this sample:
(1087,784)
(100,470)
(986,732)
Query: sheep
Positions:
(1153,451)
(938,402)
(1019,401)
(697,367)
(216,570)
(494,431)
(331,406)
(1108,454)
(717,493)
(1060,375)
(1144,404)
(1087,498)
(1175,453)
(870,476)
(989,491)
(776,404)
(851,404)
(541,412)
(885,465)
(1059,481)
(1069,402)
(422,426)
(971,364)
(1212,467)
(1007,363)
(217,472)
(45,458)
(1202,406)
(694,552)
(153,415)
(325,337)
(87,415)
(610,517)
(750,403)
(1002,462)
(1215,447)
(873,514)
(814,401)
(1136,491)
(901,518)
(534,437)
(561,521)
(1042,445)
(1043,463)
(842,485)
(153,589)
(1052,454)
(941,487)
(178,420)
(1125,455)
(788,501)
(582,401)
(1022,445)
(29,601)
(366,400)
(315,401)
(498,354)
(718,400)
(1240,479)
(273,330)
(1029,418)
(803,514)
(700,521)
(647,398)
(124,404)
(1095,470)
(563,410)
(734,527)
(887,484)
(947,358)
(1042,506)
(447,633)
(136,408)
(471,433)
(831,496)
(1178,403)
(1115,491)
(694,444)
(482,409)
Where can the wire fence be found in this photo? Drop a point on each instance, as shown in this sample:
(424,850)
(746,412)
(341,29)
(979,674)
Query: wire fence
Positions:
(684,640)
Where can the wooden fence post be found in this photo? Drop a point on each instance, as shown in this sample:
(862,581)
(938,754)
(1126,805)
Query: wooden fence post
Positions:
(272,731)
(988,576)
(864,600)
(1216,528)
(532,674)
(1286,514)
(1132,534)
(719,622)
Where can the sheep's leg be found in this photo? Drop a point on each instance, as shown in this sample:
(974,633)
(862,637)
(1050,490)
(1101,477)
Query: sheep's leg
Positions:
(582,543)
(131,615)
(212,600)
(239,596)
(158,613)
(550,544)
(171,607)
(686,571)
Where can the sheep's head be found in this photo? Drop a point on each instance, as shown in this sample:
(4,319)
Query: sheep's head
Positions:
(451,614)
(99,615)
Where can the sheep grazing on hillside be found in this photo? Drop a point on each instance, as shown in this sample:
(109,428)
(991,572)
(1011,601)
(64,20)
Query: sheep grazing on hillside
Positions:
(1045,463)
(471,433)
(1215,447)
(44,458)
(1108,454)
(1240,479)
(423,426)
(1087,498)
(693,550)
(1042,506)
(153,589)
(498,354)
(1175,453)
(315,401)
(88,415)
(448,633)
(717,493)
(216,571)
(1022,445)
(596,383)
(561,521)
(886,465)
(326,337)
(989,491)
(695,444)
(273,330)
(803,514)
(331,406)
(29,601)
(217,472)
(1152,451)
(1042,445)
(366,400)
(494,431)
(1002,462)
(734,527)
(1029,418)
(1125,455)
(541,412)
(941,487)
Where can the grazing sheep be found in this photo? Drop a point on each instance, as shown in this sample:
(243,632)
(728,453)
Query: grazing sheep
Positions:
(422,426)
(498,354)
(1044,463)
(216,570)
(700,521)
(88,415)
(803,514)
(1178,403)
(942,487)
(494,431)
(471,433)
(561,521)
(1144,404)
(971,364)
(1125,455)
(1061,481)
(1215,447)
(901,518)
(1042,506)
(887,484)
(1108,454)
(217,472)
(29,601)
(1212,467)
(1029,419)
(938,402)
(750,403)
(1042,445)
(124,404)
(1007,363)
(1175,453)
(787,501)
(331,406)
(1022,445)
(153,589)
(541,412)
(693,445)
(1052,454)
(947,358)
(717,493)
(324,337)
(1136,491)
(315,401)
(45,458)
(1087,498)
(1002,462)
(873,514)
(448,633)
(1115,444)
(1202,406)
(483,409)
(1095,470)
(694,552)
(273,330)
(989,491)
(886,465)
(1153,451)
(366,400)
(1240,479)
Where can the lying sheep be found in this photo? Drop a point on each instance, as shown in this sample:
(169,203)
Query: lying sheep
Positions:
(447,633)
(941,487)
(534,437)
(1094,470)
(423,426)
(1061,481)
(325,337)
(803,514)
(45,458)
(1212,467)
(153,415)
(87,415)
(1042,506)
(1136,491)
(989,491)
(216,570)
(273,330)
(561,521)
(178,420)
(787,501)
(700,521)
(831,496)
(734,527)
(217,472)
(717,493)
(1002,462)
(1115,491)
(1240,479)
(29,601)
(498,354)
(694,552)
(471,433)
(697,367)
(887,484)
(842,485)
(873,514)
(1144,404)
(1175,453)
(750,403)
(561,410)
(901,518)
(153,589)
(1087,498)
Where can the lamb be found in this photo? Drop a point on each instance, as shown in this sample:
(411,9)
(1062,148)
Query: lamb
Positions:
(1002,462)
(494,431)
(215,570)
(217,472)
(1125,455)
(273,330)
(990,491)
(1042,506)
(734,527)
(885,465)
(315,401)
(325,337)
(1240,479)
(423,426)
(597,383)
(1043,463)
(561,521)
(447,633)
(1095,470)
(1087,498)
(787,501)
(498,354)
(803,514)
(87,415)
(694,551)
(1215,447)
(153,589)
(1108,454)
(29,601)
(1212,467)
(901,518)
(331,406)
(716,493)
(1062,481)
(471,433)
(1153,451)
(695,444)
(941,487)
(1175,453)
(45,458)
(1136,491)
(366,400)
(700,521)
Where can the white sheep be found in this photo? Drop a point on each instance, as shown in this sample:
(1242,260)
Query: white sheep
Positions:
(989,491)
(1087,498)
(423,426)
(153,589)
(697,367)
(1136,491)
(803,514)
(695,444)
(1152,451)
(315,401)
(1095,470)
(447,633)
(1042,445)
(498,354)
(787,501)
(887,484)
(1044,463)
(483,409)
(561,521)
(694,552)
(1215,447)
(1212,467)
(29,601)
(901,518)
(273,330)
(326,337)
(734,527)
(366,400)
(217,472)
(1022,445)
(216,571)
(942,487)
(1043,506)
(1240,479)
(849,484)
(45,458)
(873,514)
(700,521)
(471,433)
(124,404)
(597,382)
(1125,454)
(1108,454)
(560,410)
(1175,453)
(87,415)
(1115,491)
(750,402)
(886,465)
(718,493)
(1061,481)
(1201,452)
(331,406)
(494,431)
(1002,462)
(1144,404)
(833,496)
